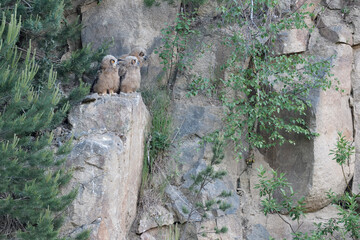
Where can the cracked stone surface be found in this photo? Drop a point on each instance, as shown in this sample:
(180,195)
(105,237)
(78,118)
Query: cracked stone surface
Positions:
(107,159)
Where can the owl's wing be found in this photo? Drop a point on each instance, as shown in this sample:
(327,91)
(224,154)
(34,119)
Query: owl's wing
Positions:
(95,81)
(122,72)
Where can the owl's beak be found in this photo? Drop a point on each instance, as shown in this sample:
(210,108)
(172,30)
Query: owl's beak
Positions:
(119,61)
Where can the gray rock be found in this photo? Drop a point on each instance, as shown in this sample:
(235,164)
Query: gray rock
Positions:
(196,120)
(128,24)
(155,216)
(107,160)
(179,202)
(147,236)
(356,93)
(354,19)
(292,41)
(258,232)
(335,4)
(308,165)
(102,114)
(333,28)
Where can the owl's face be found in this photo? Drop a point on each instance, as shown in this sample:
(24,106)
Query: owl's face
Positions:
(109,62)
(130,61)
(140,53)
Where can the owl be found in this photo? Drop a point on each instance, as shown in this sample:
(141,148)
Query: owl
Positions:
(139,53)
(108,80)
(131,76)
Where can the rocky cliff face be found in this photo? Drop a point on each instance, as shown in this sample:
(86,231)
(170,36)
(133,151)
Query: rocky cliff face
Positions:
(103,145)
(107,159)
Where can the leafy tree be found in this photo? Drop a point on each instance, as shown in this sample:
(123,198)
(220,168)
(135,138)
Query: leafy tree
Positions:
(273,89)
(266,93)
(345,226)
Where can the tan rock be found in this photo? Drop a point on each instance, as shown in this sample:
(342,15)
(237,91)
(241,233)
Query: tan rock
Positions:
(155,216)
(356,94)
(335,4)
(332,115)
(333,28)
(354,19)
(147,236)
(107,162)
(292,41)
(129,24)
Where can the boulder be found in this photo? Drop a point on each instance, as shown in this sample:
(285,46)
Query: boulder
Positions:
(356,106)
(155,216)
(292,41)
(107,159)
(333,28)
(354,19)
(308,165)
(335,4)
(258,232)
(128,24)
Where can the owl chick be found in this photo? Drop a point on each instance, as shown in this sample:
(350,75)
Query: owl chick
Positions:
(108,80)
(131,77)
(139,53)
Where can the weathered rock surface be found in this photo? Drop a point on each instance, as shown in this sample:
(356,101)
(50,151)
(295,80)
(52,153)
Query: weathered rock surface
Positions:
(129,24)
(335,4)
(155,216)
(181,205)
(356,106)
(292,41)
(333,28)
(307,165)
(258,232)
(354,19)
(332,115)
(107,159)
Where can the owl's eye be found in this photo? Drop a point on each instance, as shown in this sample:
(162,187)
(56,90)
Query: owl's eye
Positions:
(133,61)
(141,54)
(112,61)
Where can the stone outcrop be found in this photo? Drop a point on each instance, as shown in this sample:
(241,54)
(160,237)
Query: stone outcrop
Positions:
(107,159)
(128,24)
(332,28)
(354,19)
(307,165)
(356,107)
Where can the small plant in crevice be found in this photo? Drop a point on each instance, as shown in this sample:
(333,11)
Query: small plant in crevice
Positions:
(201,180)
(268,187)
(203,85)
(150,3)
(158,140)
(189,3)
(345,226)
(173,52)
(173,232)
(342,153)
